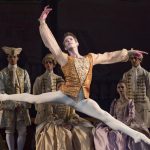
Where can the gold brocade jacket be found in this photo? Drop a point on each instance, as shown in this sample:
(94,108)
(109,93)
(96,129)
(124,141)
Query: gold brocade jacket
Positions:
(11,112)
(47,82)
(73,71)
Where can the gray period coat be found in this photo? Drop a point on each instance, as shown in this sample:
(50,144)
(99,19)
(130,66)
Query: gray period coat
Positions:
(140,93)
(10,111)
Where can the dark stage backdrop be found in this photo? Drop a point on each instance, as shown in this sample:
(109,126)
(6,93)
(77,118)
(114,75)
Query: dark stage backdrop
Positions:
(100,25)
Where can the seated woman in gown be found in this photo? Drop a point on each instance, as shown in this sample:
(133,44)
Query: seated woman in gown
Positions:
(122,109)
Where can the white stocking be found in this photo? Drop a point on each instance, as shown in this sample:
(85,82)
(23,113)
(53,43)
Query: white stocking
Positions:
(10,141)
(91,108)
(51,97)
(21,137)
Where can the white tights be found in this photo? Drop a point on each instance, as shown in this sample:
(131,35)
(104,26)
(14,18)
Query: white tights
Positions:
(20,140)
(87,106)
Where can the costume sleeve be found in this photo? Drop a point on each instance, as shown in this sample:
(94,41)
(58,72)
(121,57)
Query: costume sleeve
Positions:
(51,43)
(59,81)
(131,110)
(148,85)
(112,108)
(37,89)
(37,86)
(27,88)
(110,57)
(8,104)
(27,83)
(124,78)
(2,88)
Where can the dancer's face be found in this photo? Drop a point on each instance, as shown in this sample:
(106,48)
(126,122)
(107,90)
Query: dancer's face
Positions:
(70,43)
(49,65)
(121,88)
(12,59)
(135,61)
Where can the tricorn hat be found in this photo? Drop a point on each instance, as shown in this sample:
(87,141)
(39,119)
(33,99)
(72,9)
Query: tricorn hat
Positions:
(11,50)
(137,53)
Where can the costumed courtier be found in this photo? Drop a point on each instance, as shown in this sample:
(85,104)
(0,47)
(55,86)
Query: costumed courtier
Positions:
(138,87)
(14,115)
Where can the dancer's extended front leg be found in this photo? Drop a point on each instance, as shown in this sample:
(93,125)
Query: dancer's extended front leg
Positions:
(87,106)
(50,97)
(91,108)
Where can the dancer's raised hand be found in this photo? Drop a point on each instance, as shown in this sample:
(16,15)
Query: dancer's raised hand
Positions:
(45,13)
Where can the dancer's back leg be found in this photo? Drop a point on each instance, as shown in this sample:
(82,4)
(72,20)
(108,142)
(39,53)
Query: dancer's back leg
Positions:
(91,108)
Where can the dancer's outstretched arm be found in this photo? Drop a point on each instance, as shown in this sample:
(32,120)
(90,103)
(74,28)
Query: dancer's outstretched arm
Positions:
(110,57)
(113,57)
(49,40)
